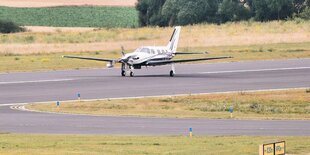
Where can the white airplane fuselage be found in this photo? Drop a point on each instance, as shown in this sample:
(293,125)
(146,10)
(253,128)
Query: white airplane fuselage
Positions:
(144,54)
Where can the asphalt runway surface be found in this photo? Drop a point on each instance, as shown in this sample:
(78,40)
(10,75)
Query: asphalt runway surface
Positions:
(107,83)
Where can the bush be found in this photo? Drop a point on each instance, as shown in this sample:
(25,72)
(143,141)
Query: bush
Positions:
(305,14)
(9,27)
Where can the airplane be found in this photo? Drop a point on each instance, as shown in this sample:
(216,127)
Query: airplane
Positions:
(151,56)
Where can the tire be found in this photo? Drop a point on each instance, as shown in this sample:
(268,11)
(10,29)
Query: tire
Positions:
(131,74)
(123,73)
(171,73)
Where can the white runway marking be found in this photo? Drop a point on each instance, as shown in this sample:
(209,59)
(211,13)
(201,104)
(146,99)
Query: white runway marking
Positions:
(35,81)
(255,70)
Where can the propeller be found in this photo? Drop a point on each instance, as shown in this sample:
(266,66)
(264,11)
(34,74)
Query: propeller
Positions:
(123,50)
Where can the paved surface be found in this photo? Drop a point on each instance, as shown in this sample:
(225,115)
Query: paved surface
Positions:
(107,83)
(200,78)
(28,122)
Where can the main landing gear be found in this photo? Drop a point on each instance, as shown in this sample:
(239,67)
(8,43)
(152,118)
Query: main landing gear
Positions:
(172,72)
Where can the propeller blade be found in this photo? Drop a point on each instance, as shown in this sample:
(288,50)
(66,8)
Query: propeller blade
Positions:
(123,50)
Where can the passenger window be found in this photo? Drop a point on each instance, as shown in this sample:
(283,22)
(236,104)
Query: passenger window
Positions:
(153,52)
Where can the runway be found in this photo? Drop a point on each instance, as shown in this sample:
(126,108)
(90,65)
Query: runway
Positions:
(107,83)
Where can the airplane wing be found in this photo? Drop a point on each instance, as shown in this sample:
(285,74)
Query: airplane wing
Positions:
(179,53)
(89,58)
(165,62)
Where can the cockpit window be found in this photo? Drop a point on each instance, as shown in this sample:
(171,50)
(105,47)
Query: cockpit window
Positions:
(145,50)
(137,50)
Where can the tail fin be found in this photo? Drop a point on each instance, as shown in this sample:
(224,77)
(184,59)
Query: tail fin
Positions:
(174,40)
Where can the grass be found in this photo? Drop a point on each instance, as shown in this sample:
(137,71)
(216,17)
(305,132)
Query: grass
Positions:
(127,145)
(10,62)
(290,104)
(244,41)
(72,16)
(199,35)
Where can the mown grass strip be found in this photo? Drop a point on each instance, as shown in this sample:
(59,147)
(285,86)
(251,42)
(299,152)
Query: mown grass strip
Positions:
(289,104)
(129,145)
(72,16)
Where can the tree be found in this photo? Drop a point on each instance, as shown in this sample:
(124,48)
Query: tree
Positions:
(305,14)
(265,10)
(282,8)
(9,27)
(232,10)
(184,12)
(150,12)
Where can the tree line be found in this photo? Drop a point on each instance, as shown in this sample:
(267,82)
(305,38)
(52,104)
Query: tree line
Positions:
(184,12)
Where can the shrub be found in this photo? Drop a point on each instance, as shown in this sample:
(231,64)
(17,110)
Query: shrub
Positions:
(305,14)
(9,27)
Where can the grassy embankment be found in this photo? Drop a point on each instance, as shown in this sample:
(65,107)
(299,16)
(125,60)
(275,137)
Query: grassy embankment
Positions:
(72,16)
(291,104)
(127,145)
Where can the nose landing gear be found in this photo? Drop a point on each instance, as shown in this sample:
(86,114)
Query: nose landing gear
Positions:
(171,73)
(127,69)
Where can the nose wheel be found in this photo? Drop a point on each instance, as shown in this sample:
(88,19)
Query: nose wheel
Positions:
(123,73)
(126,69)
(131,74)
(171,73)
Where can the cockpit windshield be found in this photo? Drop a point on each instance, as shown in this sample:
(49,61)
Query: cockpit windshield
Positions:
(145,50)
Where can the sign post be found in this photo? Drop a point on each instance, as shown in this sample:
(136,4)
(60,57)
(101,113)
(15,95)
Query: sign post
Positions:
(190,132)
(231,111)
(79,96)
(58,104)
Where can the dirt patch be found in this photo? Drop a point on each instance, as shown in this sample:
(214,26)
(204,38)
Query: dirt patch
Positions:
(48,3)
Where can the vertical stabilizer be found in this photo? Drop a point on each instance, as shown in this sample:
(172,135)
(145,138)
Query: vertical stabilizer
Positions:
(174,40)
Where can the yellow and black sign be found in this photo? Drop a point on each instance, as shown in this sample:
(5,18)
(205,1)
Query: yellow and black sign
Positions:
(275,148)
(279,148)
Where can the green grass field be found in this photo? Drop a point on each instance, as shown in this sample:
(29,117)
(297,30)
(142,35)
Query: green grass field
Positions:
(289,104)
(14,144)
(72,16)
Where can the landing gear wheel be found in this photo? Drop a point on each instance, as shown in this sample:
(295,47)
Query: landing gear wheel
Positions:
(171,73)
(131,74)
(123,73)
